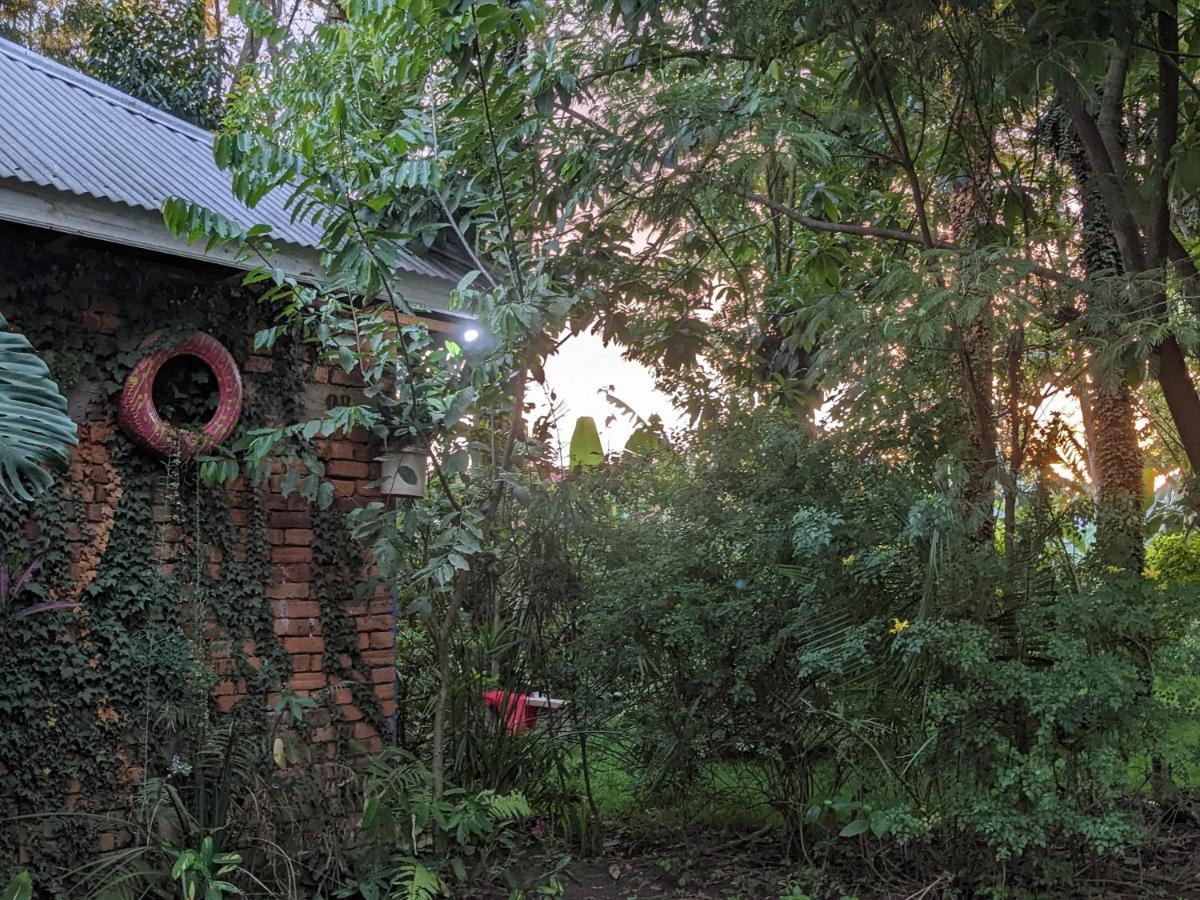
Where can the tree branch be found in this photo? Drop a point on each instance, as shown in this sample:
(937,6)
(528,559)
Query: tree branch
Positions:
(1108,181)
(892,234)
(1168,132)
(1108,122)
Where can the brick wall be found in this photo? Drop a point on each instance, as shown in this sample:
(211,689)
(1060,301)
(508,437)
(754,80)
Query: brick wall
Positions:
(291,592)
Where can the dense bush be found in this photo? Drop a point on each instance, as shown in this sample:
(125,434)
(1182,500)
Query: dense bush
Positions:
(1174,557)
(824,619)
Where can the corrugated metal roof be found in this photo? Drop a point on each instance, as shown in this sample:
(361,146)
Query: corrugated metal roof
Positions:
(62,129)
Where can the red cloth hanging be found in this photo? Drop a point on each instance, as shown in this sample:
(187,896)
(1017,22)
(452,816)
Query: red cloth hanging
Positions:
(518,715)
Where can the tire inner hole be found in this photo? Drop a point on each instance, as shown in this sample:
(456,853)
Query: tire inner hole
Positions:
(185,392)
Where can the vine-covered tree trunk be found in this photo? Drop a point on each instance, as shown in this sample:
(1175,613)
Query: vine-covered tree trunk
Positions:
(1119,474)
(969,216)
(1116,452)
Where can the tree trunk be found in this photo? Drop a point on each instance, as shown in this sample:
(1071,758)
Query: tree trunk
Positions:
(437,763)
(1116,455)
(1119,475)
(969,216)
(1180,393)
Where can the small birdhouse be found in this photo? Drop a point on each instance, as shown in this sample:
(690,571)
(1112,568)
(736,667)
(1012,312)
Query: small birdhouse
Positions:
(404,474)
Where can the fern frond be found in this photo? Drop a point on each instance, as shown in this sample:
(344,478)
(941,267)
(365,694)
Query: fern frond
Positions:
(415,882)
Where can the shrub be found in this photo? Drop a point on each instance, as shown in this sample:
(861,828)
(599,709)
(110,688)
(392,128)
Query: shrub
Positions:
(829,621)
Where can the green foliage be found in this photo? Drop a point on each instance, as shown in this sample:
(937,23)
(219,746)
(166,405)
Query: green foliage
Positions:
(424,846)
(36,433)
(648,439)
(162,52)
(200,872)
(827,620)
(873,228)
(19,887)
(1173,558)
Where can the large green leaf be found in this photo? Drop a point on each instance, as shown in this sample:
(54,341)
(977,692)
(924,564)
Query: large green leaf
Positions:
(36,434)
(586,450)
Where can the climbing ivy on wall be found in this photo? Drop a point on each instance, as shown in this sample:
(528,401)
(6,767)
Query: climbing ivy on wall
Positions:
(96,700)
(336,564)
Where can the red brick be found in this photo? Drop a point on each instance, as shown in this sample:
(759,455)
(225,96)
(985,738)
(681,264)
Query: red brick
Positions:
(299,572)
(287,591)
(383,676)
(258,364)
(298,609)
(307,681)
(363,731)
(291,554)
(352,379)
(298,627)
(381,639)
(346,468)
(351,713)
(337,450)
(289,519)
(100,322)
(298,537)
(379,658)
(295,645)
(343,487)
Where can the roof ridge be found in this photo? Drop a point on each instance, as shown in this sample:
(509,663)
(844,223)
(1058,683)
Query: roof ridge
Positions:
(104,92)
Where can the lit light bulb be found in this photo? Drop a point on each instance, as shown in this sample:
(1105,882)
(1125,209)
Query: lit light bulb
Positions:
(471,335)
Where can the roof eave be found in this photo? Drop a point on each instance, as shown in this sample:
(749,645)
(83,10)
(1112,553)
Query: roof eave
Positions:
(103,220)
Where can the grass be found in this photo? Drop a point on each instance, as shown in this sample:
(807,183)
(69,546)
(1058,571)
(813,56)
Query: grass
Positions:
(720,796)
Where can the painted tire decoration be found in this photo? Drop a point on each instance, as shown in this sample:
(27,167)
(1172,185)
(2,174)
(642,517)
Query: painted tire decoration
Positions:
(140,418)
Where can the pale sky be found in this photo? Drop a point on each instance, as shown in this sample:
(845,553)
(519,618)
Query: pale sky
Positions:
(579,374)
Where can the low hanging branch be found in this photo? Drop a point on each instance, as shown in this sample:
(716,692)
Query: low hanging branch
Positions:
(894,234)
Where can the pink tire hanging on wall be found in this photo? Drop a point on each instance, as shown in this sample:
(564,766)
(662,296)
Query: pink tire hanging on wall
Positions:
(140,418)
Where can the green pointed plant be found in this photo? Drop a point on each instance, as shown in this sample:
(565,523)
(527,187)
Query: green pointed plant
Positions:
(36,434)
(586,451)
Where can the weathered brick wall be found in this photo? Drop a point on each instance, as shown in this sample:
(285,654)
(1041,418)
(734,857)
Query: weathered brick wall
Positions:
(292,591)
